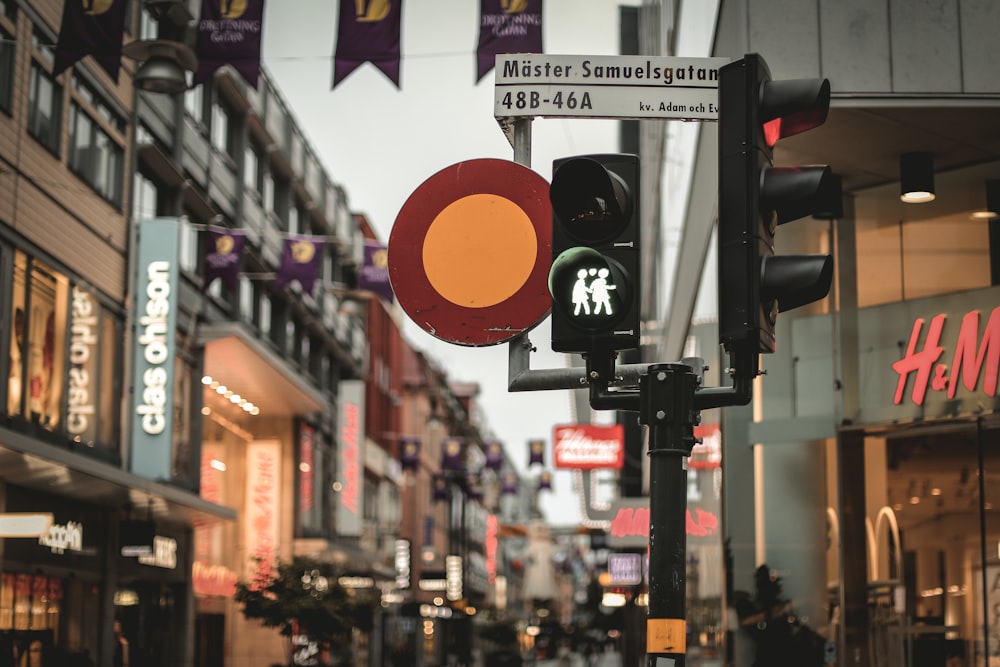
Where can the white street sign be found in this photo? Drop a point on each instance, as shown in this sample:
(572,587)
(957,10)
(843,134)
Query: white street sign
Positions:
(640,87)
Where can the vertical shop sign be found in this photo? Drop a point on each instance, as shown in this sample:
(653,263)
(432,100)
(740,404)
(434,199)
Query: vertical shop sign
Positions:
(350,456)
(81,419)
(263,498)
(154,341)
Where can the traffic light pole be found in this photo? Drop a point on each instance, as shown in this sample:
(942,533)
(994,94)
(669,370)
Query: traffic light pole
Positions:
(667,403)
(667,408)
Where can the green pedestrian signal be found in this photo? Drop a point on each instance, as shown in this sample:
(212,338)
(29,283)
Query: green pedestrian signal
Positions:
(595,268)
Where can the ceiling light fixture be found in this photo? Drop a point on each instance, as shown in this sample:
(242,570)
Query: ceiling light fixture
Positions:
(916,178)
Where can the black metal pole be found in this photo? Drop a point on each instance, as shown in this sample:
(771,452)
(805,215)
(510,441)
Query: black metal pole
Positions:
(667,407)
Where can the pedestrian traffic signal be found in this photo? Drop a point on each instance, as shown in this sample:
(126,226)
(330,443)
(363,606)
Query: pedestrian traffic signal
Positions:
(594,279)
(755,196)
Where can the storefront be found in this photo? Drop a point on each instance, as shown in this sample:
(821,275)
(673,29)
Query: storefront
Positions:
(864,475)
(925,463)
(50,586)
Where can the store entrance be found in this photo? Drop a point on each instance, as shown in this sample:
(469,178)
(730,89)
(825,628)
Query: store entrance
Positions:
(932,603)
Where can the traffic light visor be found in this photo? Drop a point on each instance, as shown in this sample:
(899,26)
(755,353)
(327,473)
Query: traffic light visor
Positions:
(795,280)
(793,106)
(592,202)
(794,192)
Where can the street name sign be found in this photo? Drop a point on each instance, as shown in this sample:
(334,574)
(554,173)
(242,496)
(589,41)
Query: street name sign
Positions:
(636,87)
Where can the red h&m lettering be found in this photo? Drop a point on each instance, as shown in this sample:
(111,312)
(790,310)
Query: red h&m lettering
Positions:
(921,362)
(970,357)
(968,361)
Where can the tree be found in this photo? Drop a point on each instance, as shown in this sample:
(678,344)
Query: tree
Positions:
(304,597)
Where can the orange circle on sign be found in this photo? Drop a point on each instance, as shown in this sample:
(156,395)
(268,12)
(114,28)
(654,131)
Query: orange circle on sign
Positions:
(480,250)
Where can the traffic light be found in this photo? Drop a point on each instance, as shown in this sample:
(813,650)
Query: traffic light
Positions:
(755,196)
(594,279)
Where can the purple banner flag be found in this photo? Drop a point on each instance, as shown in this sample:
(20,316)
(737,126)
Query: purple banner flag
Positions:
(509,484)
(91,28)
(223,254)
(536,452)
(409,453)
(545,481)
(474,487)
(368,31)
(440,488)
(300,260)
(374,275)
(229,33)
(494,455)
(452,455)
(507,26)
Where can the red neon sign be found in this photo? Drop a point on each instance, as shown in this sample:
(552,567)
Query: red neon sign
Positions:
(634,522)
(967,361)
(350,435)
(589,446)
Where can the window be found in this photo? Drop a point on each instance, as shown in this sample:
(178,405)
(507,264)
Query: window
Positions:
(194,105)
(65,358)
(145,195)
(44,108)
(311,480)
(222,129)
(186,382)
(6,70)
(246,300)
(94,156)
(251,169)
(188,252)
(149,27)
(267,189)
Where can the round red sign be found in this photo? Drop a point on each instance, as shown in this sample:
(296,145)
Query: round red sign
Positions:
(470,251)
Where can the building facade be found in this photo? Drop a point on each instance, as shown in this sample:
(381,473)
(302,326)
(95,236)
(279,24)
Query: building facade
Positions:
(173,432)
(872,437)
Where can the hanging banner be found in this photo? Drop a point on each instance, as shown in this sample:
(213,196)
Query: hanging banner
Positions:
(494,455)
(545,481)
(409,453)
(229,33)
(452,455)
(509,484)
(440,488)
(368,32)
(374,275)
(300,261)
(536,452)
(223,254)
(507,26)
(91,28)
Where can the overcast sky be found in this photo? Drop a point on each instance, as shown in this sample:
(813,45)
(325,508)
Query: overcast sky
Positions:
(380,143)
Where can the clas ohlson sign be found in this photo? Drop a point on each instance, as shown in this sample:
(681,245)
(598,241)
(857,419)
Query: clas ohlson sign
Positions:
(154,342)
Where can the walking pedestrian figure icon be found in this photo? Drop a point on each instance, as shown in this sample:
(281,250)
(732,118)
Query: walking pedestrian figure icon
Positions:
(596,292)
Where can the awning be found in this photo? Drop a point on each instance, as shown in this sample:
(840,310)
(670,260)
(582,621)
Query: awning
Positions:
(33,464)
(238,360)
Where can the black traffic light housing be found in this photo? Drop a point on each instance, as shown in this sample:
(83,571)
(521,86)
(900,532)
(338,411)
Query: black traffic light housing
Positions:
(595,253)
(755,197)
